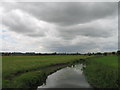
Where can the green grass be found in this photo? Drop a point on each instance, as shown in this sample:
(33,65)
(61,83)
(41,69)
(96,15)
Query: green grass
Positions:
(27,71)
(111,61)
(27,79)
(31,71)
(102,72)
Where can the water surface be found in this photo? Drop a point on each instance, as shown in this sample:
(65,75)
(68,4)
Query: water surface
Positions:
(69,77)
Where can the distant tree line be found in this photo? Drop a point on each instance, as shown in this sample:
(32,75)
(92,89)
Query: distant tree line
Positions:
(38,54)
(34,54)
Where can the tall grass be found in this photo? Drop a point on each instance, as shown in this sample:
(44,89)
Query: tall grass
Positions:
(102,72)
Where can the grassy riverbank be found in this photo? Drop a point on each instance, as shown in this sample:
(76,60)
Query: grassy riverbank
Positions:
(31,71)
(102,72)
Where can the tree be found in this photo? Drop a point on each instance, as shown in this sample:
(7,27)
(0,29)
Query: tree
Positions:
(113,53)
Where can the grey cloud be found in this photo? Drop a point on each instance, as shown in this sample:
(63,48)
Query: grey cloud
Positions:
(109,46)
(70,21)
(84,30)
(70,13)
(80,47)
(20,22)
(118,25)
(86,45)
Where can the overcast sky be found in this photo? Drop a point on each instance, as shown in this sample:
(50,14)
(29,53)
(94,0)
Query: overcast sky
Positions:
(59,27)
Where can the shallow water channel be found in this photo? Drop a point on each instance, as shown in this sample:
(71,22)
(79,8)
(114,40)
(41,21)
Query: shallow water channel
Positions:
(69,77)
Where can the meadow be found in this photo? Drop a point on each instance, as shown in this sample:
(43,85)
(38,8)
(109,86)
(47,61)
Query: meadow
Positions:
(102,72)
(31,71)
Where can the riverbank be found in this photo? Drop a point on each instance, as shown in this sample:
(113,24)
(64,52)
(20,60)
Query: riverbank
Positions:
(32,71)
(102,72)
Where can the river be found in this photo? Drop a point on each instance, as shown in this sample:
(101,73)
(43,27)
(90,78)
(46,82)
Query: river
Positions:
(69,77)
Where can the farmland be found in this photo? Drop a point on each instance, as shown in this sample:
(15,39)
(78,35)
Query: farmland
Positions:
(32,71)
(25,71)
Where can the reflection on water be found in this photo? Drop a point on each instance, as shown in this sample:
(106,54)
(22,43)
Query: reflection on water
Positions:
(69,77)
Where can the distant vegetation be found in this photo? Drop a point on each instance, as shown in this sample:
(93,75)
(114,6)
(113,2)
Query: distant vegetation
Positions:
(55,53)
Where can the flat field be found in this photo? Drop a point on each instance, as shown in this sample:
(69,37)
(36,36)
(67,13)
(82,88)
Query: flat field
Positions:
(25,71)
(32,71)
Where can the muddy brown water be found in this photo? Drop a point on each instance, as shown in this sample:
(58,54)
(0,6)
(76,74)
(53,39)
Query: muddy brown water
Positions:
(69,77)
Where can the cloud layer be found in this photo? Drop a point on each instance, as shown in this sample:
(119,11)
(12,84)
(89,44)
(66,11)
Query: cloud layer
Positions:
(59,27)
